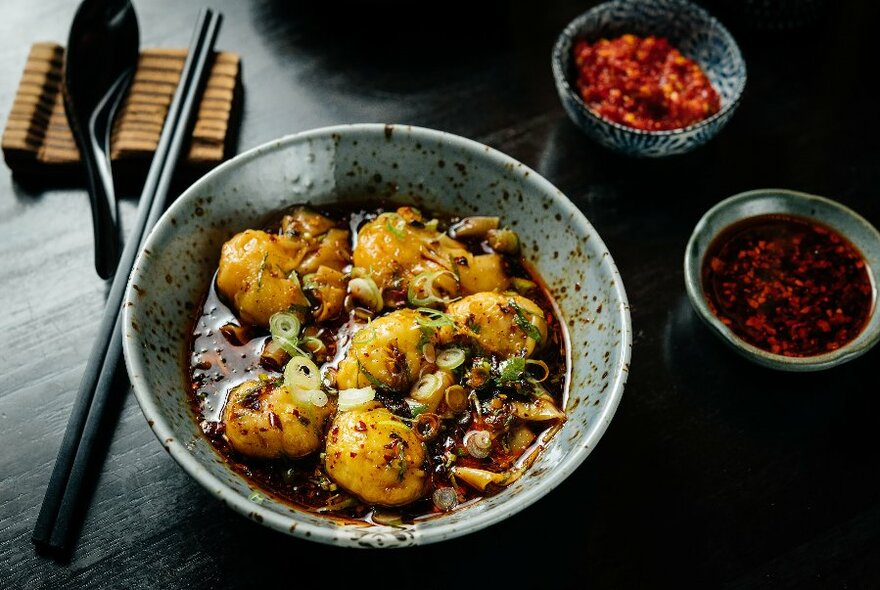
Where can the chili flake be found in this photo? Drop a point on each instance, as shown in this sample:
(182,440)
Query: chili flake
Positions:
(788,285)
(643,82)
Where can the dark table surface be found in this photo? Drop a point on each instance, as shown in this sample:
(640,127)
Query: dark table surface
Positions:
(713,473)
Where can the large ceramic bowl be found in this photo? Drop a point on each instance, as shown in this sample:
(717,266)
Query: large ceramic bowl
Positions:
(695,32)
(438,171)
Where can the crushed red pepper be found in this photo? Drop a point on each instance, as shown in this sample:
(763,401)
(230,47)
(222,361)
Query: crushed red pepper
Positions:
(643,82)
(788,285)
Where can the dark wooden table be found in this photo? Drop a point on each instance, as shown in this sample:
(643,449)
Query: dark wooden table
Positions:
(714,472)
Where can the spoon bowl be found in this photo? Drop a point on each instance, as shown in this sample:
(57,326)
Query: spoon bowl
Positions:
(100,60)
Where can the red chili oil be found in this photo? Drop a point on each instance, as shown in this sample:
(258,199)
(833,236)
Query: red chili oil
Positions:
(643,82)
(788,285)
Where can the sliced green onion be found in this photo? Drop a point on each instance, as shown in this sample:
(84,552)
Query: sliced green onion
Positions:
(428,350)
(435,319)
(364,336)
(511,369)
(285,327)
(316,397)
(478,443)
(349,399)
(301,373)
(395,224)
(424,283)
(451,358)
(545,370)
(426,387)
(445,499)
(456,399)
(426,426)
(314,344)
(365,290)
(257,498)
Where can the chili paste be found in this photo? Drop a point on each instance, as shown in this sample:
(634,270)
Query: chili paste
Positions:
(643,82)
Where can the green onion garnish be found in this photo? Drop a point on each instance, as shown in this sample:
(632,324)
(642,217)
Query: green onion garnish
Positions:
(435,319)
(424,283)
(395,224)
(450,358)
(285,327)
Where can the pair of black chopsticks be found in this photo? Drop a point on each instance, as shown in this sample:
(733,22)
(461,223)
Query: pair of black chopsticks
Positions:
(61,502)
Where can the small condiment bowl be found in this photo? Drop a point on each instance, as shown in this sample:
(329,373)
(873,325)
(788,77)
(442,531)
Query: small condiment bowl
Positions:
(689,28)
(832,214)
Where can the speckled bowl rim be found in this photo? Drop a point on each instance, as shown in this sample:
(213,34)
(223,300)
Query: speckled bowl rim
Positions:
(574,28)
(693,283)
(329,534)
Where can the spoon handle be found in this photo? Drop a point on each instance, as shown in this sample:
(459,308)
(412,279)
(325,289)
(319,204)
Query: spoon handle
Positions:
(96,155)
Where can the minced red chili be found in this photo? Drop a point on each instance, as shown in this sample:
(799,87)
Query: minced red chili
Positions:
(788,285)
(643,82)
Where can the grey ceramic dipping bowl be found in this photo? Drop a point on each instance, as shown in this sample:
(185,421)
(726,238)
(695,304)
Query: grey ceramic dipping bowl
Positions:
(767,201)
(433,170)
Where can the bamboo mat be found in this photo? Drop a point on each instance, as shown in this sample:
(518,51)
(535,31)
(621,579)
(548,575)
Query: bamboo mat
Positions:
(37,139)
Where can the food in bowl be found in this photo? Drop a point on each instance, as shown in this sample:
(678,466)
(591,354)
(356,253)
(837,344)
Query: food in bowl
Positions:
(788,285)
(334,168)
(691,30)
(383,364)
(643,82)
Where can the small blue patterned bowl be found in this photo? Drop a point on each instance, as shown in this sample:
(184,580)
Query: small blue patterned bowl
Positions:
(690,29)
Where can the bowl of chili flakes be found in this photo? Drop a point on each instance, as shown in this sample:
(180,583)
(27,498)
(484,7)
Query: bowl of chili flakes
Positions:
(788,279)
(648,78)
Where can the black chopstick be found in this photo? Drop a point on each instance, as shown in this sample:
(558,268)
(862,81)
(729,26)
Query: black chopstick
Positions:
(54,522)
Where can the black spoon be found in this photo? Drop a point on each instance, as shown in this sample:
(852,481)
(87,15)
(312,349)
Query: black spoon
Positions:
(100,61)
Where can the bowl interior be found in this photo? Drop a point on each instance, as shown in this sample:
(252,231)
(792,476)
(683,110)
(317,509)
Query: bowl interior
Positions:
(436,171)
(763,201)
(691,29)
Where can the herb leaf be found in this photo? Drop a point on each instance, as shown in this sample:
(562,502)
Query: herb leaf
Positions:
(377,385)
(261,270)
(511,369)
(524,324)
